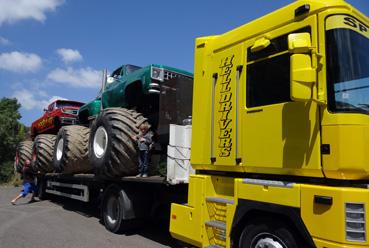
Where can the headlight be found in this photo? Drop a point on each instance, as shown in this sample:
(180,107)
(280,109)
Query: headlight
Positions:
(157,73)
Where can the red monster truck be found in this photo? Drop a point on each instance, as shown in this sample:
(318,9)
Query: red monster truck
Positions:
(43,133)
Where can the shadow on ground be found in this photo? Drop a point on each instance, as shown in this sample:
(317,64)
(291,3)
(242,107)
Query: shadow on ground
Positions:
(154,229)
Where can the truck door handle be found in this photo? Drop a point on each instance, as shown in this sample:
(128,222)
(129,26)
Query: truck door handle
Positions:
(324,200)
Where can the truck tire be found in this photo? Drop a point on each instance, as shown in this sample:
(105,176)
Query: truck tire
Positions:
(117,210)
(23,153)
(113,152)
(71,150)
(42,153)
(268,233)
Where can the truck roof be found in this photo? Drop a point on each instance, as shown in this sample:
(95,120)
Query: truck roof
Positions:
(272,21)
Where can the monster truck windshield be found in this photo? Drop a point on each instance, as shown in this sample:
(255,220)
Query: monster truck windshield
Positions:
(65,104)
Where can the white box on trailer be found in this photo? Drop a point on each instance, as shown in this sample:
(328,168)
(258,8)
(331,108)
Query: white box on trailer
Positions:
(179,153)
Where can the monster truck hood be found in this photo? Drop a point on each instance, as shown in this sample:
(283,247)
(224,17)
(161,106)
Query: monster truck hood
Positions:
(186,73)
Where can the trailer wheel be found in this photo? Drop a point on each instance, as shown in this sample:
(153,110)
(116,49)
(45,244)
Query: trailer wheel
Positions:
(113,210)
(268,233)
(113,152)
(42,153)
(71,150)
(23,153)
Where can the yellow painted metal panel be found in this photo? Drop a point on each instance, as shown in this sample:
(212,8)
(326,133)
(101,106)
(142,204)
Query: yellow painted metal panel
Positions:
(225,64)
(284,196)
(187,220)
(283,138)
(349,151)
(327,222)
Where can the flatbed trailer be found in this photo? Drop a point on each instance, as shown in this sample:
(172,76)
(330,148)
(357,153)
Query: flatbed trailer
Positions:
(121,201)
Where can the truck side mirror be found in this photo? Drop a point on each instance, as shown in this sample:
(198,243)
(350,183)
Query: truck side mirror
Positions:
(260,44)
(303,75)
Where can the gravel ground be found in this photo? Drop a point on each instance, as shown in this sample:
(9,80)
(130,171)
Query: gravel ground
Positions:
(60,222)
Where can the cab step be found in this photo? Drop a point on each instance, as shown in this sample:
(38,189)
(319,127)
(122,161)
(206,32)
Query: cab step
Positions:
(216,224)
(214,246)
(219,200)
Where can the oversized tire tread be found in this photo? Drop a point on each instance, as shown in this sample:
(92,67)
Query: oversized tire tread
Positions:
(23,153)
(43,149)
(121,156)
(74,158)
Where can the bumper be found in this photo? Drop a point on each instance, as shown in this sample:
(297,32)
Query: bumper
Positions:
(68,120)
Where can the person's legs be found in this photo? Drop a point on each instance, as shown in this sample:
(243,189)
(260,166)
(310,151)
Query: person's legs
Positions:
(140,163)
(26,190)
(34,190)
(146,161)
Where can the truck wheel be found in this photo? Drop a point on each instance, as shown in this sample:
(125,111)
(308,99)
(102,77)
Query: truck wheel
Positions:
(268,233)
(113,152)
(23,153)
(112,210)
(42,153)
(71,150)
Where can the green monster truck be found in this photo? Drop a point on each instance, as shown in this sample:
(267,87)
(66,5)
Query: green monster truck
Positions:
(130,96)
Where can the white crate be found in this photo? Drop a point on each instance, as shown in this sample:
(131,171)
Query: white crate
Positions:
(180,135)
(178,170)
(179,152)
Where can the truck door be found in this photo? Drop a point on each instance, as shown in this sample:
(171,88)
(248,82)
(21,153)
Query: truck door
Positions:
(279,136)
(225,105)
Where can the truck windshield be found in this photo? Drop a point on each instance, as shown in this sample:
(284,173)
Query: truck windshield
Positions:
(68,104)
(347,45)
(132,68)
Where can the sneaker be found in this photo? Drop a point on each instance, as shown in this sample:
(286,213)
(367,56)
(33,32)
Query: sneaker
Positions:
(12,202)
(144,175)
(139,175)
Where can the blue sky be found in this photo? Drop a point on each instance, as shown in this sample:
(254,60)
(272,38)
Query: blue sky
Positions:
(57,48)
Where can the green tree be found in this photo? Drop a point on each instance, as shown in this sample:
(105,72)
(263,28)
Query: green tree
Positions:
(11,133)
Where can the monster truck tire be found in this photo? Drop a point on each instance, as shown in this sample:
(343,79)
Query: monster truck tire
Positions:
(113,152)
(42,153)
(23,153)
(71,150)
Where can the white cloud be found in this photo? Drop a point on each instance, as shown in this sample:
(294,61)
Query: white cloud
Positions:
(69,55)
(20,62)
(80,78)
(15,10)
(33,100)
(4,41)
(54,98)
(29,100)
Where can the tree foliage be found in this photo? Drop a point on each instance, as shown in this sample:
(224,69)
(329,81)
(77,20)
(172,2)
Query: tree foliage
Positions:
(11,133)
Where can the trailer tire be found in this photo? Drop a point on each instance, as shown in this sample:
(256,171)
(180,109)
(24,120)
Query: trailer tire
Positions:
(113,152)
(23,153)
(71,150)
(42,153)
(269,233)
(112,211)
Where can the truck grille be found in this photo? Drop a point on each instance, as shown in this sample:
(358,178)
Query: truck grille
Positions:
(355,222)
(169,75)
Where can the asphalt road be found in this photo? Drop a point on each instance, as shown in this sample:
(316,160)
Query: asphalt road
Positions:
(60,222)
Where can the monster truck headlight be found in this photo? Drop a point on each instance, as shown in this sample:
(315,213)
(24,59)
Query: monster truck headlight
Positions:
(157,73)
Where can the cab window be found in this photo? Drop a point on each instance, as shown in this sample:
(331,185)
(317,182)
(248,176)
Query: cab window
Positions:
(268,73)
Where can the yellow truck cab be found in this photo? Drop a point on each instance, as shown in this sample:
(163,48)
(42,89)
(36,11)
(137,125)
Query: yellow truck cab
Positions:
(280,140)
